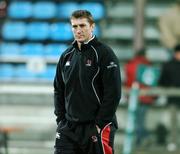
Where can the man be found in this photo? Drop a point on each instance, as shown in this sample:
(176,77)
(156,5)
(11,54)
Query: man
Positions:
(87,90)
(169,25)
(170,77)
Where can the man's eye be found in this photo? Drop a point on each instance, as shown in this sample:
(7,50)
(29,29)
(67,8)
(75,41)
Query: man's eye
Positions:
(82,26)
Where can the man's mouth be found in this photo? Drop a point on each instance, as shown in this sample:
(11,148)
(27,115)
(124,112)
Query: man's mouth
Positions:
(79,36)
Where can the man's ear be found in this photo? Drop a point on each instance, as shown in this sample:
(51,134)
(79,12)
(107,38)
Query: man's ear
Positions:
(93,26)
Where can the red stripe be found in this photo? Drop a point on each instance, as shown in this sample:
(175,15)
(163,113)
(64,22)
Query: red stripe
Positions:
(105,140)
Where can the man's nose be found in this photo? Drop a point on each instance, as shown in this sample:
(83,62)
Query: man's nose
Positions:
(78,30)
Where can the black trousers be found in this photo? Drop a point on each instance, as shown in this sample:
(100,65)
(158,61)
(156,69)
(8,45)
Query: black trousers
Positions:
(83,138)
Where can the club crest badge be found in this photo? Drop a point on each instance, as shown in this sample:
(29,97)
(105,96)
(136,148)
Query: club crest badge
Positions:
(88,62)
(94,138)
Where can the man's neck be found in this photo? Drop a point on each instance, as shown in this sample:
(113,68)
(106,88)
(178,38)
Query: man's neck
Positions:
(79,45)
(86,42)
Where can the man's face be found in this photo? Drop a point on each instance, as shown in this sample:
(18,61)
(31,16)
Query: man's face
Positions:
(81,29)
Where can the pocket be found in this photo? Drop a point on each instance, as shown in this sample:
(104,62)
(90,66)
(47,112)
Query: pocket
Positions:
(94,130)
(94,145)
(62,124)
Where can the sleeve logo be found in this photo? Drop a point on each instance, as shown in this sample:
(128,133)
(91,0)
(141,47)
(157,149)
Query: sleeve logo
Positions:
(111,65)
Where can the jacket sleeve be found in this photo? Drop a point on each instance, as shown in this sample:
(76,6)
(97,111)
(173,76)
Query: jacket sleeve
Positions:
(111,80)
(59,102)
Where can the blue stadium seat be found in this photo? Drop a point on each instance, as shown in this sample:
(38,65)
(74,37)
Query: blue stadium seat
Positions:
(49,73)
(97,31)
(20,10)
(158,54)
(118,31)
(14,30)
(6,71)
(120,10)
(21,72)
(97,9)
(123,53)
(152,32)
(154,10)
(32,49)
(54,50)
(38,31)
(44,10)
(65,9)
(61,32)
(9,49)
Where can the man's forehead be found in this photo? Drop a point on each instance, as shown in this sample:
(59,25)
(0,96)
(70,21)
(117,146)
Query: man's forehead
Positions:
(79,21)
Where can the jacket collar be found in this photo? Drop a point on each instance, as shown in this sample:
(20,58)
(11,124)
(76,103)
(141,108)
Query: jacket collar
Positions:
(92,41)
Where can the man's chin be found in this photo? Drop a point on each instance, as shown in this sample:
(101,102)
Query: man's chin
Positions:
(80,40)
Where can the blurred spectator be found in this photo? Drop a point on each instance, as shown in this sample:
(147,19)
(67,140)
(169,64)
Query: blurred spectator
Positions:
(3,7)
(144,101)
(169,24)
(170,77)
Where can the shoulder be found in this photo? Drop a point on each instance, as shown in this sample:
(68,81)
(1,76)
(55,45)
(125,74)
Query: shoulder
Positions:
(67,51)
(104,49)
(106,55)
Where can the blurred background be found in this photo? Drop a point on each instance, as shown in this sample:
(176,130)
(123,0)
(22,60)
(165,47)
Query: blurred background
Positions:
(34,33)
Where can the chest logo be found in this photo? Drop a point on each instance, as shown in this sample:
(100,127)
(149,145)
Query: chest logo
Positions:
(88,62)
(94,138)
(67,63)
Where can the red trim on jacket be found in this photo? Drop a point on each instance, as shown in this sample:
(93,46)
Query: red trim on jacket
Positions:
(105,136)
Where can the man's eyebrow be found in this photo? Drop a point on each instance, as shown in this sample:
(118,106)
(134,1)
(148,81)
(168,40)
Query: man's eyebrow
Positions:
(75,25)
(82,24)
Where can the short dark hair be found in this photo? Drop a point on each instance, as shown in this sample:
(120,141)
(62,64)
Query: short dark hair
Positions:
(83,14)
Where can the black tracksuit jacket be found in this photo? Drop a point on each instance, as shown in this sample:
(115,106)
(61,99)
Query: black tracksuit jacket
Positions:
(87,84)
(170,77)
